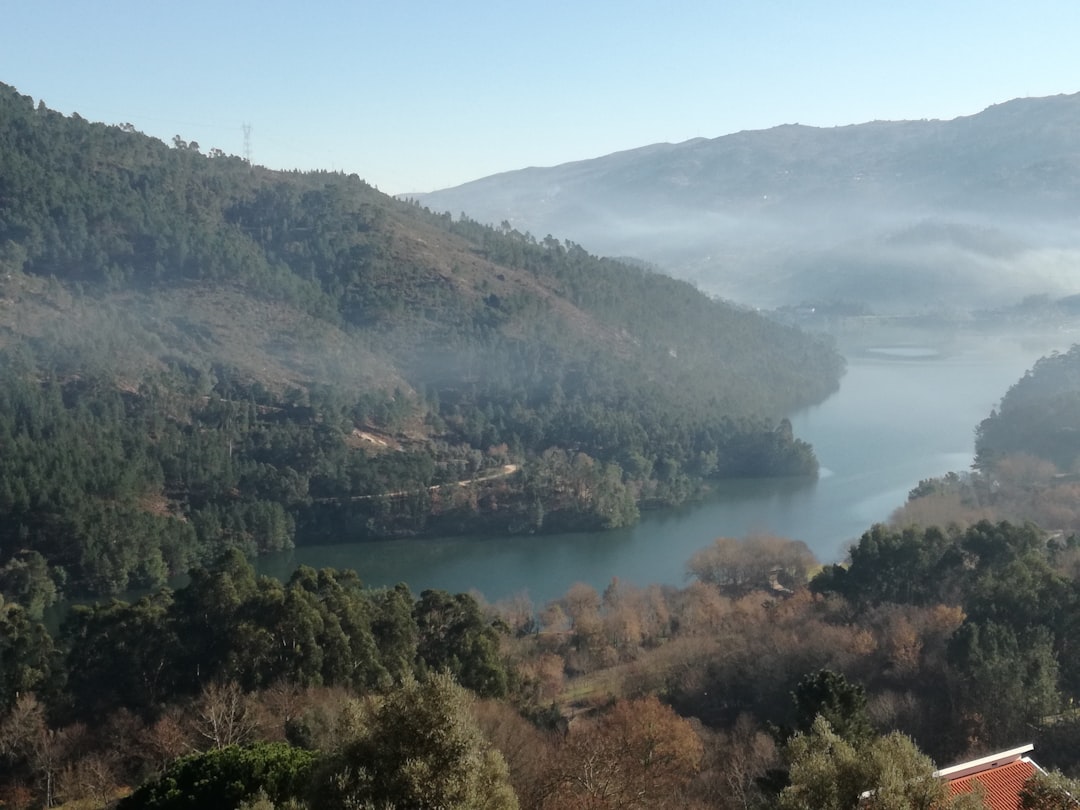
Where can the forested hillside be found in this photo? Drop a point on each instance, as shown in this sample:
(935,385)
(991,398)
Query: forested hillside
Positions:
(1026,458)
(200,355)
(1039,416)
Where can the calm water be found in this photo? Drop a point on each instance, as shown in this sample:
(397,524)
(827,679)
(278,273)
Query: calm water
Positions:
(903,413)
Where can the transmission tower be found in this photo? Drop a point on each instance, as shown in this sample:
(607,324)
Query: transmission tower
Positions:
(247,143)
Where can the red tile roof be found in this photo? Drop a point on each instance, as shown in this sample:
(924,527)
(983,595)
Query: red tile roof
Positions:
(1001,785)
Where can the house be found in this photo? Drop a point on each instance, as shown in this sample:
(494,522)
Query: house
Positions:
(1001,775)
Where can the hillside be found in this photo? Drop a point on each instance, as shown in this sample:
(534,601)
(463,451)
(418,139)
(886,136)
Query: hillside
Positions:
(905,216)
(199,354)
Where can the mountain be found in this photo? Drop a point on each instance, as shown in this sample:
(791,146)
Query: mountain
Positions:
(913,216)
(197,355)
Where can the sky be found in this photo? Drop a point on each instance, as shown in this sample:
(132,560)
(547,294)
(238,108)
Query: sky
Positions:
(415,96)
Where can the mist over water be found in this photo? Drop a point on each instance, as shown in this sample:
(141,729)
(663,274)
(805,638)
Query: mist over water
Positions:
(904,412)
(901,217)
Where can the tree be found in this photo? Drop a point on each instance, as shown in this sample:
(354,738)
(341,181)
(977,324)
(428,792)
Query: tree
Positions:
(759,562)
(395,631)
(1006,683)
(454,635)
(639,754)
(26,655)
(121,654)
(883,773)
(223,716)
(25,579)
(829,695)
(30,746)
(891,566)
(223,778)
(423,750)
(1050,791)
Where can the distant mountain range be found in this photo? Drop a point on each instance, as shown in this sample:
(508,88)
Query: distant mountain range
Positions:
(912,216)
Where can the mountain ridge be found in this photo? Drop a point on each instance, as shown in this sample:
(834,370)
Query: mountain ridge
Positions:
(759,216)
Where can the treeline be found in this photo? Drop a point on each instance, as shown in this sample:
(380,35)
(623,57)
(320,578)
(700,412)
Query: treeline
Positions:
(127,687)
(103,489)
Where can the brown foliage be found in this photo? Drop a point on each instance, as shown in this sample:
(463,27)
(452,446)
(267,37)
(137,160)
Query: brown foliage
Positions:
(734,762)
(701,610)
(165,739)
(760,562)
(91,779)
(638,754)
(547,673)
(526,749)
(41,752)
(941,509)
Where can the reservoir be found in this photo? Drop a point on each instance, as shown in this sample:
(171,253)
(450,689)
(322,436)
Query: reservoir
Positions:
(904,412)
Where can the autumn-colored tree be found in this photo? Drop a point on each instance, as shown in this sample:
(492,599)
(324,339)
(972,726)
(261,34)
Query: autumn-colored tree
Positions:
(528,750)
(32,748)
(638,754)
(736,761)
(546,673)
(760,562)
(166,739)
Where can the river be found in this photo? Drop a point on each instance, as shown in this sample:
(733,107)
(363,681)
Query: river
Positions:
(904,412)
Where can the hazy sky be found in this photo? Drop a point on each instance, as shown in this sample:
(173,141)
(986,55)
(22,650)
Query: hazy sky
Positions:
(415,96)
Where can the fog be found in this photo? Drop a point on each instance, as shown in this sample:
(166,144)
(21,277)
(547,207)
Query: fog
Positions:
(900,217)
(893,261)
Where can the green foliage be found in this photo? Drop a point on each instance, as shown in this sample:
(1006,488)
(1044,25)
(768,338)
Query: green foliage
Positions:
(26,654)
(1020,616)
(1038,416)
(831,773)
(878,773)
(423,751)
(315,629)
(1007,683)
(453,635)
(121,654)
(25,579)
(842,704)
(997,571)
(1050,791)
(321,628)
(224,778)
(892,566)
(395,630)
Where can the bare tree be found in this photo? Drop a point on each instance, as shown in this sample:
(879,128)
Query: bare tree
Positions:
(224,716)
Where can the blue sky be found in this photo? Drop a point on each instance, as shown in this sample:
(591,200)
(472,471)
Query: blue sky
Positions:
(414,96)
